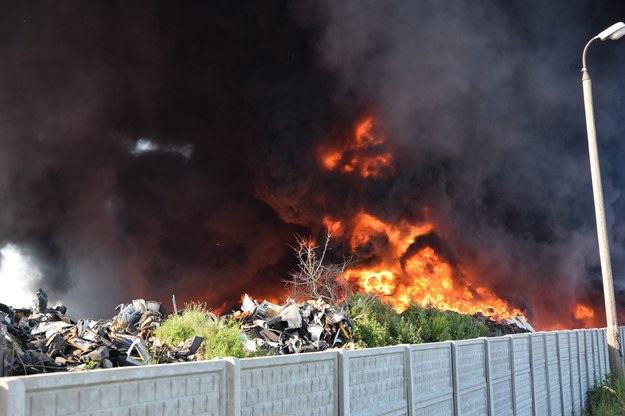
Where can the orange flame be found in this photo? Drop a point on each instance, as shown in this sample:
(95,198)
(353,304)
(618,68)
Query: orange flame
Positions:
(334,227)
(585,314)
(362,154)
(423,277)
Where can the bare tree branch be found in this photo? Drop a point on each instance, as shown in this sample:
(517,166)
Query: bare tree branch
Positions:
(315,280)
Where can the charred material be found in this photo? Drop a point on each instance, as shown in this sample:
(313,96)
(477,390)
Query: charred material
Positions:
(517,325)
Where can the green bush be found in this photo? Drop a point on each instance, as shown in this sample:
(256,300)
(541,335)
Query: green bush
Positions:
(223,337)
(368,318)
(440,328)
(607,398)
(376,324)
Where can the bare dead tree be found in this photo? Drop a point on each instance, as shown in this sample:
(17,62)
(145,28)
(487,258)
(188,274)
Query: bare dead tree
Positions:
(315,280)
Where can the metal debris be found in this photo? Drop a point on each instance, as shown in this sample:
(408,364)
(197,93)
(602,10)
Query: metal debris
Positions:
(294,327)
(43,339)
(506,326)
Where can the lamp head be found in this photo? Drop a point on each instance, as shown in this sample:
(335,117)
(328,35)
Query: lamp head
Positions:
(614,32)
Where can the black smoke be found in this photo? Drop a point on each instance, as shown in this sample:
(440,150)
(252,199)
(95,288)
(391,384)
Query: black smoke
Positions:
(484,101)
(482,104)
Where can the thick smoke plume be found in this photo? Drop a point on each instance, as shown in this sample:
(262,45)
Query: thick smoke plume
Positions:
(484,102)
(154,148)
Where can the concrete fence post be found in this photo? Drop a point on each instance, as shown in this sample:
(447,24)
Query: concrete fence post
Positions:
(343,376)
(233,387)
(409,379)
(12,398)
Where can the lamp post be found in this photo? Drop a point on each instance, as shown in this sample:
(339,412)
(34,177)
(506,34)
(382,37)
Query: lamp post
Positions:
(614,32)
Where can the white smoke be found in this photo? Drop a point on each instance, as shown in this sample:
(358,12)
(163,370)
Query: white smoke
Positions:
(18,274)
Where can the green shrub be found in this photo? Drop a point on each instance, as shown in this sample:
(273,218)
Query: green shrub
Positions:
(223,337)
(367,314)
(607,398)
(439,327)
(465,327)
(377,324)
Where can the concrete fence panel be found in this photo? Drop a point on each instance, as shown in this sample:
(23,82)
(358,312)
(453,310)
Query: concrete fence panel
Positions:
(598,351)
(521,375)
(470,377)
(590,359)
(583,365)
(172,389)
(597,355)
(564,360)
(432,379)
(539,374)
(576,386)
(553,373)
(499,367)
(603,348)
(298,385)
(375,381)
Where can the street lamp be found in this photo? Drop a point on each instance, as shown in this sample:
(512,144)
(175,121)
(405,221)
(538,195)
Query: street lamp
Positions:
(614,32)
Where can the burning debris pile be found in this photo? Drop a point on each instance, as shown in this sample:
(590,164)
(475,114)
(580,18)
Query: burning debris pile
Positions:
(293,328)
(506,326)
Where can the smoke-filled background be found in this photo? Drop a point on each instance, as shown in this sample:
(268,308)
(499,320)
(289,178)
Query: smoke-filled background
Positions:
(158,148)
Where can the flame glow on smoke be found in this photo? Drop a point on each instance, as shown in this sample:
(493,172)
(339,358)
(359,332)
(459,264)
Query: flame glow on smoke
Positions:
(365,155)
(585,314)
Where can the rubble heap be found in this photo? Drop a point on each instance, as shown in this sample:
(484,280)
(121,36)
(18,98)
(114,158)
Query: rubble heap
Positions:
(508,326)
(43,340)
(293,328)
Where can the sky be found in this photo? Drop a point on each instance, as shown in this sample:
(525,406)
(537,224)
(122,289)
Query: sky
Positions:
(151,148)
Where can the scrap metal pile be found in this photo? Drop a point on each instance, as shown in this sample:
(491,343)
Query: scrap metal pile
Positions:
(43,340)
(293,328)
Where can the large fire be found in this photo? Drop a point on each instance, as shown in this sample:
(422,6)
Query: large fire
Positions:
(410,272)
(402,265)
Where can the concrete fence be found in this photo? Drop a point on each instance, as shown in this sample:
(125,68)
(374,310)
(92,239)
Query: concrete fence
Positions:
(545,373)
